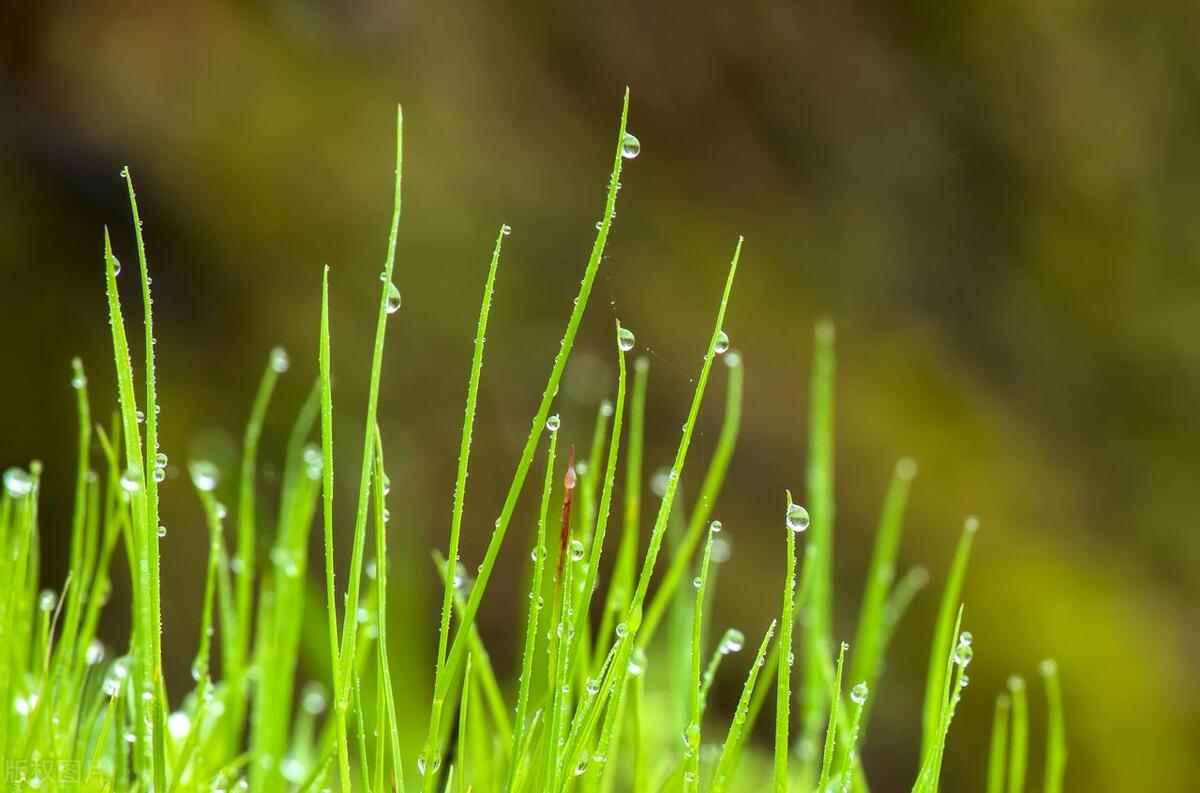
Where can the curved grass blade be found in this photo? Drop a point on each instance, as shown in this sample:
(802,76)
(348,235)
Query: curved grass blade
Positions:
(939,659)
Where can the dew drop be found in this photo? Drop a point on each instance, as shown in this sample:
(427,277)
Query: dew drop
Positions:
(506,229)
(858,694)
(715,527)
(637,662)
(553,423)
(732,642)
(625,339)
(721,346)
(95,653)
(162,531)
(313,700)
(17,482)
(131,480)
(393,299)
(797,518)
(696,582)
(47,600)
(963,654)
(205,475)
(631,147)
(178,725)
(279,360)
(160,475)
(576,550)
(622,630)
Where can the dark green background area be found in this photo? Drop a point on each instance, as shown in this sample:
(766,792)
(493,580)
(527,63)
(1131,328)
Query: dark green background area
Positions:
(998,204)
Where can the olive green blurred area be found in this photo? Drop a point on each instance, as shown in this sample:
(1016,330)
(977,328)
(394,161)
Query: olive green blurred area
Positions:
(997,203)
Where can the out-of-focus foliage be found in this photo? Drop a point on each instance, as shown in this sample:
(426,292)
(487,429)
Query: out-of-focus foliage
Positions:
(996,202)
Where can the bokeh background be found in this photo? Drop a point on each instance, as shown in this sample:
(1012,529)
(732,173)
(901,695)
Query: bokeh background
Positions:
(998,203)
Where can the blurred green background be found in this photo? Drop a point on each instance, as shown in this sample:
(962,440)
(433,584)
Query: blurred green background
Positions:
(998,203)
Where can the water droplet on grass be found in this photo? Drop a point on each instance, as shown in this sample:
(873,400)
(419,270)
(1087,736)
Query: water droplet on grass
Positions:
(131,480)
(626,339)
(279,360)
(797,518)
(17,482)
(721,346)
(553,423)
(205,475)
(858,694)
(393,299)
(631,147)
(733,641)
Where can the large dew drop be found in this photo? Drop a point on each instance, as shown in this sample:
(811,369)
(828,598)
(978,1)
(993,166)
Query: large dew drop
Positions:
(625,339)
(733,641)
(17,482)
(393,299)
(797,518)
(279,360)
(131,480)
(858,694)
(205,475)
(630,146)
(722,343)
(553,423)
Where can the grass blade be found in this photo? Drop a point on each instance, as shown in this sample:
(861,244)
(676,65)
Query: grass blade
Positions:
(1018,749)
(818,636)
(464,454)
(783,697)
(999,745)
(942,637)
(1056,733)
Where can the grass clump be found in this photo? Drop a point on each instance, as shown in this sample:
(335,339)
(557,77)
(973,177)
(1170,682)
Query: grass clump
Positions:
(584,713)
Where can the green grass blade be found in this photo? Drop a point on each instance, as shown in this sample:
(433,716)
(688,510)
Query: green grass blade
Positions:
(691,776)
(1018,750)
(831,726)
(741,725)
(381,619)
(714,478)
(997,752)
(583,604)
(1056,731)
(621,585)
(464,453)
(347,651)
(134,481)
(520,728)
(783,696)
(943,637)
(871,638)
(668,499)
(818,636)
(339,715)
(460,756)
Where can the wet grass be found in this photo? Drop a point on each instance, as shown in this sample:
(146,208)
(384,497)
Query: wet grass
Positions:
(585,712)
